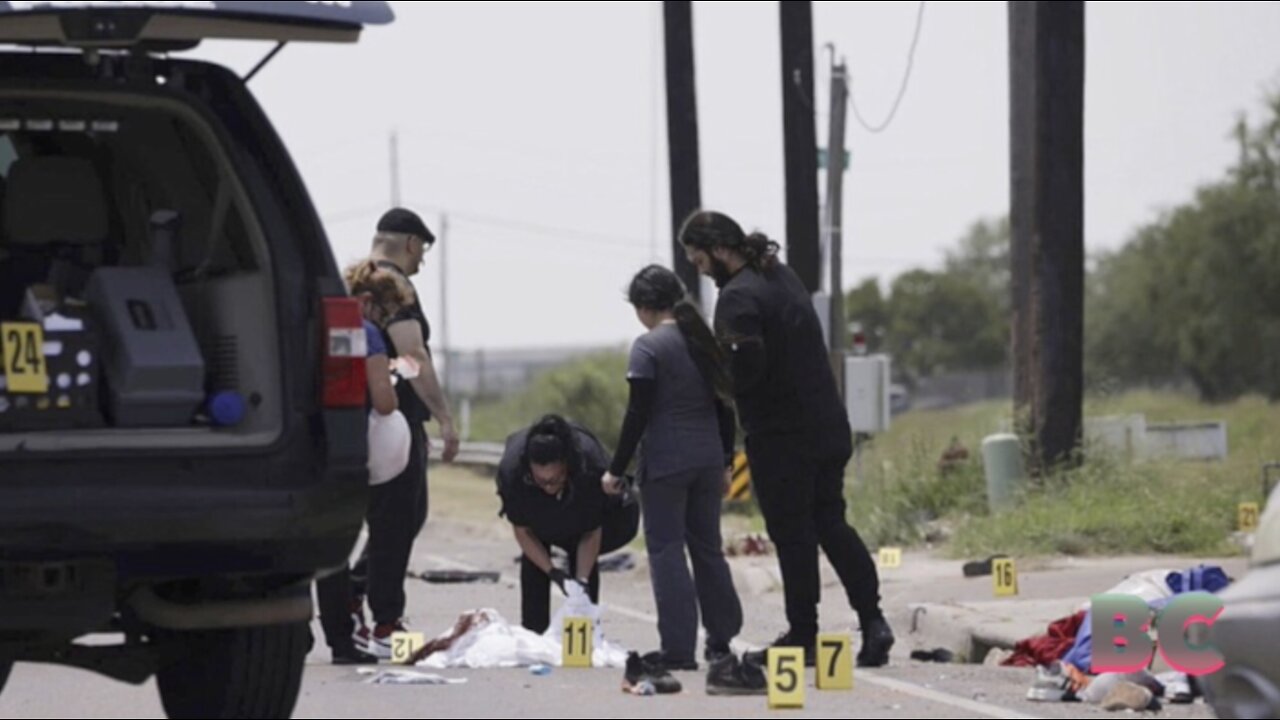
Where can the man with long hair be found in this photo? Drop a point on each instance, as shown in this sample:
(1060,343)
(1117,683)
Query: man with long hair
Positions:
(798,437)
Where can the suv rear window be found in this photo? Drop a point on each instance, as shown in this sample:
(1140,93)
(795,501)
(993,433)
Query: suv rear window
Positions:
(145,160)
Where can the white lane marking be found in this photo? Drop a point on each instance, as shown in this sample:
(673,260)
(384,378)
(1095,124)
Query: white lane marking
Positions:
(942,698)
(900,686)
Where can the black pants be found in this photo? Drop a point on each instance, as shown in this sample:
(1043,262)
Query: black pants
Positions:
(397,513)
(684,510)
(799,481)
(333,597)
(619,528)
(535,588)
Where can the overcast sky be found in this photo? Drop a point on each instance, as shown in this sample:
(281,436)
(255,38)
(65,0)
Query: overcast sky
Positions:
(540,129)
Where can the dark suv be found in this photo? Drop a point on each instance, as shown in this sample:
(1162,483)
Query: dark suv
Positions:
(182,402)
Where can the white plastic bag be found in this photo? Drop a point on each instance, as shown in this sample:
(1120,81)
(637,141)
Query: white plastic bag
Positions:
(578,604)
(389,446)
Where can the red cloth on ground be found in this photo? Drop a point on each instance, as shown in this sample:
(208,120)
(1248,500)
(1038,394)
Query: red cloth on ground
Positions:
(1050,648)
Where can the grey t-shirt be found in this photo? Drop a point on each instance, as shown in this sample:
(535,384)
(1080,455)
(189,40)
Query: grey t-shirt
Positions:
(683,431)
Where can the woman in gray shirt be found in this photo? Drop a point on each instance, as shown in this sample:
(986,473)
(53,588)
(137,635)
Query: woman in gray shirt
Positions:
(677,382)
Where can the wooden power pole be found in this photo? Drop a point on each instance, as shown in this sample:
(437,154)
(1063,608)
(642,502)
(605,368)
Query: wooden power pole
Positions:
(1046,53)
(682,131)
(801,142)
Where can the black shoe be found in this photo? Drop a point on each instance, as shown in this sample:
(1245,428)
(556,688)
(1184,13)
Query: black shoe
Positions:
(638,672)
(660,659)
(727,676)
(760,658)
(937,655)
(877,641)
(980,568)
(715,652)
(352,656)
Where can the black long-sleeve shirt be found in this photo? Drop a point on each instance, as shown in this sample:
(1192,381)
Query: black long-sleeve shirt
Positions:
(781,372)
(639,412)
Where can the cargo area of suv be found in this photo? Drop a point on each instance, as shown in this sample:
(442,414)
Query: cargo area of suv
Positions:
(182,383)
(127,238)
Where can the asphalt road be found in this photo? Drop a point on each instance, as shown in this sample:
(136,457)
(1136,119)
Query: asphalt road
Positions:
(469,540)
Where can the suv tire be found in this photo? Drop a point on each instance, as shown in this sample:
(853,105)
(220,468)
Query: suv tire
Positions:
(252,672)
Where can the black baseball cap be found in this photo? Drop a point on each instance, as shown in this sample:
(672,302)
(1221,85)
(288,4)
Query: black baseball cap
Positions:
(405,222)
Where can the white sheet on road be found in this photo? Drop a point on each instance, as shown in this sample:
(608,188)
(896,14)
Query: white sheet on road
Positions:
(490,641)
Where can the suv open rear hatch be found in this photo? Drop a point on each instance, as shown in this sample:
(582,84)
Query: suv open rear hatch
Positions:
(182,24)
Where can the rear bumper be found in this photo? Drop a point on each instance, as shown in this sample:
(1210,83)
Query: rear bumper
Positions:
(153,529)
(173,515)
(71,556)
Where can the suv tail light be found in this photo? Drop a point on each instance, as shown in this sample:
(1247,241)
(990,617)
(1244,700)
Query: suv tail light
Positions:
(345,381)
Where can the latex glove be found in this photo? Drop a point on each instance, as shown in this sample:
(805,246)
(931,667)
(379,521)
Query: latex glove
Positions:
(559,577)
(612,484)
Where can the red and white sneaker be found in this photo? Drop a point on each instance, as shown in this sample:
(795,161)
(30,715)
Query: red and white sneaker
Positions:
(361,634)
(380,639)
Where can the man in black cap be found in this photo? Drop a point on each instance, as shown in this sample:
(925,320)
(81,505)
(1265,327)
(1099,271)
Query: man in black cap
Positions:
(400,245)
(398,508)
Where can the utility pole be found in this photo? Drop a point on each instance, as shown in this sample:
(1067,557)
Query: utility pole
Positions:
(1046,63)
(654,128)
(834,214)
(682,132)
(395,169)
(801,141)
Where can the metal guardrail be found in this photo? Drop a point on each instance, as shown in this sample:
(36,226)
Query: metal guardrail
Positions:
(484,454)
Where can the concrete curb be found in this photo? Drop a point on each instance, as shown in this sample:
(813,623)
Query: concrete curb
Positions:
(972,630)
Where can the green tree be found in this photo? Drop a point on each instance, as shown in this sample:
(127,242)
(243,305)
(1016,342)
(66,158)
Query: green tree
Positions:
(1196,294)
(1126,343)
(866,306)
(944,321)
(591,391)
(982,257)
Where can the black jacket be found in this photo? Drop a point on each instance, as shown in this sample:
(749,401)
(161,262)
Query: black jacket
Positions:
(782,377)
(582,507)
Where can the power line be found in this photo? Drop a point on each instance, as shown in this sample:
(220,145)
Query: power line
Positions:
(630,243)
(906,79)
(346,216)
(635,244)
(585,160)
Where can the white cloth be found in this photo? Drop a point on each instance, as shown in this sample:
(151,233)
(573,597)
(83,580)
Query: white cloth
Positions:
(492,642)
(1150,585)
(406,677)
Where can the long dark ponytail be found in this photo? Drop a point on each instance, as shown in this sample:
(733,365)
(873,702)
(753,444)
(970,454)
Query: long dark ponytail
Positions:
(706,352)
(657,288)
(706,230)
